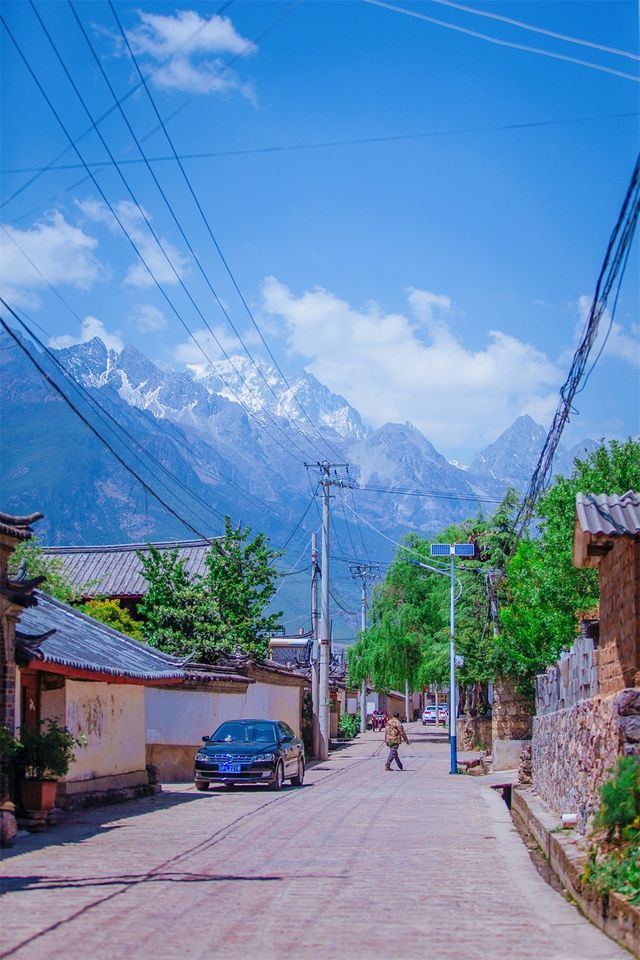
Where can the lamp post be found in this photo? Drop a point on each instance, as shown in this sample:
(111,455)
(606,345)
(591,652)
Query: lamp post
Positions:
(451,550)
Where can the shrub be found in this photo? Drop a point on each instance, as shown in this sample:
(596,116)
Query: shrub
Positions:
(47,754)
(620,798)
(9,745)
(349,725)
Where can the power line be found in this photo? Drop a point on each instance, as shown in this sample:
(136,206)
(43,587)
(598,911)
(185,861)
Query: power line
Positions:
(613,268)
(430,494)
(323,144)
(220,476)
(133,243)
(169,206)
(503,43)
(210,230)
(93,429)
(132,89)
(542,30)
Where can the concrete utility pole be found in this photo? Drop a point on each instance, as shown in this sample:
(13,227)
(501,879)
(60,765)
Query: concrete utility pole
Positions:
(365,573)
(406,702)
(315,679)
(327,482)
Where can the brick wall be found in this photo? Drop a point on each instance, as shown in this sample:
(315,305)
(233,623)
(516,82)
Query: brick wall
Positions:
(620,616)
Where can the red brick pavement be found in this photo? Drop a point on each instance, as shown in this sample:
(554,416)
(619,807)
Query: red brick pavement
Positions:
(359,863)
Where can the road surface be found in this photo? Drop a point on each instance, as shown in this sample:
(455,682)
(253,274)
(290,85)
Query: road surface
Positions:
(358,863)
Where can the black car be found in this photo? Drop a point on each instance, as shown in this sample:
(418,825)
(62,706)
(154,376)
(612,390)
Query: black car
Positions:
(250,751)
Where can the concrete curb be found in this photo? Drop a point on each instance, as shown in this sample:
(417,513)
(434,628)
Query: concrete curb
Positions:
(567,852)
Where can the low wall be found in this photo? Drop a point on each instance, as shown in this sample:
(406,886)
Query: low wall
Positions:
(574,677)
(567,854)
(573,749)
(474,733)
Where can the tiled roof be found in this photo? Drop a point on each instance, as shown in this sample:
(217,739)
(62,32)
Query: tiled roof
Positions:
(612,516)
(18,527)
(74,640)
(116,571)
(599,519)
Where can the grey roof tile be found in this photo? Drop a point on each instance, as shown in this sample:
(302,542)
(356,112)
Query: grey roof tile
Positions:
(82,643)
(609,515)
(116,570)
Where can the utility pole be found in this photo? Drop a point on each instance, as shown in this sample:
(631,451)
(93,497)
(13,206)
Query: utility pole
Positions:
(327,481)
(315,679)
(365,573)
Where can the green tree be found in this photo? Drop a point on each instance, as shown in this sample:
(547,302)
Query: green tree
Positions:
(220,610)
(113,614)
(410,622)
(545,593)
(38,564)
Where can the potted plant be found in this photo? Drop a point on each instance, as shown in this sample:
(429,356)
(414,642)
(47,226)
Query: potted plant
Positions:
(45,756)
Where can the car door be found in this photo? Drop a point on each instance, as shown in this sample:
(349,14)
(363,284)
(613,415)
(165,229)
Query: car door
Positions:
(289,748)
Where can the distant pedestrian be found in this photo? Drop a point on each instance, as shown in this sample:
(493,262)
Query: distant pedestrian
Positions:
(394,735)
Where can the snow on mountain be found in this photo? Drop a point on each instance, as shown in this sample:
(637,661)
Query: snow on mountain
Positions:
(260,388)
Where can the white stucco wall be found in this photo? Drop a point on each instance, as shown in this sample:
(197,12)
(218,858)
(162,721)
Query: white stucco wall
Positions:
(111,717)
(180,717)
(176,717)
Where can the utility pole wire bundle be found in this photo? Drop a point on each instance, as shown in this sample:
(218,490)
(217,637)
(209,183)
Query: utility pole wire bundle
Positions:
(613,267)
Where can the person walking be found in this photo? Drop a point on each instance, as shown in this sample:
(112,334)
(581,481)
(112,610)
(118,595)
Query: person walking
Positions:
(394,735)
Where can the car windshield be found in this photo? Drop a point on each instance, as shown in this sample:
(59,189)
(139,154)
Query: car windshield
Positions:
(236,732)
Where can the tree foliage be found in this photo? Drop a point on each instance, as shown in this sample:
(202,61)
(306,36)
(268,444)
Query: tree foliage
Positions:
(544,593)
(220,610)
(113,614)
(409,637)
(38,564)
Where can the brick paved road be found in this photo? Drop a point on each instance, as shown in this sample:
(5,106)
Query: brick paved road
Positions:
(358,863)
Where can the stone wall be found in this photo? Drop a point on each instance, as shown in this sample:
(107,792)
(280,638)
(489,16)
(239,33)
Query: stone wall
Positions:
(620,616)
(574,749)
(573,678)
(510,724)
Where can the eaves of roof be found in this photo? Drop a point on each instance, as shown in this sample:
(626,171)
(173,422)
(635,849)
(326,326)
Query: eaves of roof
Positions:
(600,519)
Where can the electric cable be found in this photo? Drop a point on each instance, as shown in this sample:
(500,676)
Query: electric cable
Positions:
(543,30)
(118,220)
(317,145)
(94,430)
(220,476)
(612,270)
(131,90)
(503,43)
(176,220)
(211,233)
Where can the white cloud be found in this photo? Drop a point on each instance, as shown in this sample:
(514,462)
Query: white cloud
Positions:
(393,367)
(190,353)
(167,266)
(192,46)
(91,327)
(619,343)
(147,319)
(60,253)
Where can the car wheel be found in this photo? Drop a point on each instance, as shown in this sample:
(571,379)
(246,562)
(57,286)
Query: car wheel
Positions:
(278,780)
(298,780)
(201,785)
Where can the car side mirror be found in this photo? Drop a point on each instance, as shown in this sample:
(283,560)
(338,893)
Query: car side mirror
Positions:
(205,739)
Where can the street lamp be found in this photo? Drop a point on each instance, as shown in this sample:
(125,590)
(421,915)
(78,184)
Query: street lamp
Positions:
(451,550)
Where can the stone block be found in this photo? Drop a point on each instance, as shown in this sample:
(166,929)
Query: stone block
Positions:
(506,754)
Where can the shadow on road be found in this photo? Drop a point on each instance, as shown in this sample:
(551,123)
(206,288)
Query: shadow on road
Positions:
(76,826)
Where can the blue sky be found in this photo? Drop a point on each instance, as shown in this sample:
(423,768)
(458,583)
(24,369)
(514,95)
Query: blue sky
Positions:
(441,277)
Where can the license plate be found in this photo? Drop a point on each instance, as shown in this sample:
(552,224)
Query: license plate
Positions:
(229,768)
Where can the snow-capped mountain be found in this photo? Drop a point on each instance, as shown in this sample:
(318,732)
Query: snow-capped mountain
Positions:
(241,435)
